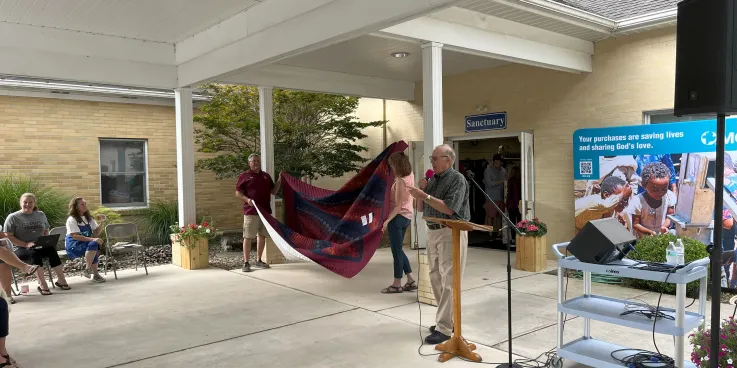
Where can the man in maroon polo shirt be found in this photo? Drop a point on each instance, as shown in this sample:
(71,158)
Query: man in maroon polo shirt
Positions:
(255,187)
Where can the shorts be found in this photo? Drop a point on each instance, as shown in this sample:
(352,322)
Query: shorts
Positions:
(252,226)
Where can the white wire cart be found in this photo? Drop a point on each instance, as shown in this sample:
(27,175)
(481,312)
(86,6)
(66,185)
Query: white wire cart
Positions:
(589,306)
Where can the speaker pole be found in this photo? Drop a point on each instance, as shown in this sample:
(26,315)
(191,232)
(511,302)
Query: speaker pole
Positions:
(716,253)
(510,363)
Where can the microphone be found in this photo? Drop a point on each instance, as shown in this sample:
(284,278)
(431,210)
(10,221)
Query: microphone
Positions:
(429,174)
(471,174)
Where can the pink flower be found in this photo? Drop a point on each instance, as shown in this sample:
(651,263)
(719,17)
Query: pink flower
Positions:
(532,228)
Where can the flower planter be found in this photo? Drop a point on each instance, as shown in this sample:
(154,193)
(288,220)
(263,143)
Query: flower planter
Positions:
(531,253)
(190,256)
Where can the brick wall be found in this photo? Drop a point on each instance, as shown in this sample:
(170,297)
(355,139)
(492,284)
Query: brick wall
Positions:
(631,74)
(57,141)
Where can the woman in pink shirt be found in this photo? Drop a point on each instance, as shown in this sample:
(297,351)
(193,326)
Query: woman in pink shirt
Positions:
(399,220)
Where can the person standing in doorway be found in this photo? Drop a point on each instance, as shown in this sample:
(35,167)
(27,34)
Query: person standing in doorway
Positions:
(495,177)
(444,196)
(255,187)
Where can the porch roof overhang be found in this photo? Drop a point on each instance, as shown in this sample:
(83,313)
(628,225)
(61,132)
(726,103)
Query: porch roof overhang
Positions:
(333,46)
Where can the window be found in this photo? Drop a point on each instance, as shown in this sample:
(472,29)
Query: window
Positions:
(666,116)
(123,177)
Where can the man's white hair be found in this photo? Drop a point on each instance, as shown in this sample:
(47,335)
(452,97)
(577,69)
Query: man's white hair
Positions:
(252,156)
(448,151)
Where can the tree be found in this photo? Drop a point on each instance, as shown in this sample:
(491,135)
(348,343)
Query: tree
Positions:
(314,133)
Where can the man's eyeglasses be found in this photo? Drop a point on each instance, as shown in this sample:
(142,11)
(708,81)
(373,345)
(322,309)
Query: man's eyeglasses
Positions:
(433,158)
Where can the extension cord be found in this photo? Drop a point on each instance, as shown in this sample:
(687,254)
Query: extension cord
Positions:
(552,360)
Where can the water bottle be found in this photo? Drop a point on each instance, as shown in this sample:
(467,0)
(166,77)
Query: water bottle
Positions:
(671,255)
(681,250)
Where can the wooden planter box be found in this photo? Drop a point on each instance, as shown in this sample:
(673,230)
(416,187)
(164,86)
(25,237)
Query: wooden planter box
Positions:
(531,253)
(188,258)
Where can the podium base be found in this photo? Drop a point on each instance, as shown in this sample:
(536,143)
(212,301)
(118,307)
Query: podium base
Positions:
(457,346)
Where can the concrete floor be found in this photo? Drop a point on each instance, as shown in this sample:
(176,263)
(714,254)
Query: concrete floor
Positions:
(292,315)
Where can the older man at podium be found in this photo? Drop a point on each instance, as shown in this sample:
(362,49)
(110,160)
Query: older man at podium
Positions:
(445,195)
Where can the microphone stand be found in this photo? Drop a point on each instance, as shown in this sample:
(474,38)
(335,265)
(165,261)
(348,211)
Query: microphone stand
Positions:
(510,364)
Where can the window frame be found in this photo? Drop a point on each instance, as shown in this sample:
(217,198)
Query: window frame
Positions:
(145,173)
(648,114)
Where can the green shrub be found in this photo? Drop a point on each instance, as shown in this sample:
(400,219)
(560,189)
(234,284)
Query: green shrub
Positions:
(158,219)
(113,217)
(52,202)
(653,249)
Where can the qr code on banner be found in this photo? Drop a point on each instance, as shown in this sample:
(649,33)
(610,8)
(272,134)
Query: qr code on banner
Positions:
(585,168)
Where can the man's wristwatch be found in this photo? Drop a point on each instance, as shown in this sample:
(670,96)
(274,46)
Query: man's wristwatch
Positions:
(428,198)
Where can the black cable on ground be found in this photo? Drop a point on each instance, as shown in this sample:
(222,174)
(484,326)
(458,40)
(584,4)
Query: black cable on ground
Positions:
(643,359)
(419,329)
(551,355)
(419,308)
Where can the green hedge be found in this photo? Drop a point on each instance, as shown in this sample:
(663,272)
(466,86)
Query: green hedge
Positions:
(158,219)
(653,249)
(52,202)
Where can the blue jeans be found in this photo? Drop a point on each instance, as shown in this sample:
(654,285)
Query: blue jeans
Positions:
(397,228)
(728,244)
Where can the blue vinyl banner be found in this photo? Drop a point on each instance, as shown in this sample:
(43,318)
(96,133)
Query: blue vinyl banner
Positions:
(656,179)
(668,138)
(493,121)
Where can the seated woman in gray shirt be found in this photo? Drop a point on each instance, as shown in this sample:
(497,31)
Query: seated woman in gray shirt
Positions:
(23,228)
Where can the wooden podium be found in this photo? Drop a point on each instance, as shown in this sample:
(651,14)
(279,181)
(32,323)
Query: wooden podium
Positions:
(457,345)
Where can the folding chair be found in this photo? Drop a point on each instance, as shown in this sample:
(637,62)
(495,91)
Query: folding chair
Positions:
(15,280)
(61,248)
(125,232)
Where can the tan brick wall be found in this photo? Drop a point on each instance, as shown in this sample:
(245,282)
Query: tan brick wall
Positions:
(631,74)
(57,141)
(424,293)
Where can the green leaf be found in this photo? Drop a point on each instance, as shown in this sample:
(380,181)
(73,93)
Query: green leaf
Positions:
(315,134)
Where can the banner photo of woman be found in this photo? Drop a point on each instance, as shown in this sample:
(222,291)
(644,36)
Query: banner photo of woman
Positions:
(656,179)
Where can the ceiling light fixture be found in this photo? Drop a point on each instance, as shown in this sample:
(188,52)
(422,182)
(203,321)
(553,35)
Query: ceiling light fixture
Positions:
(401,54)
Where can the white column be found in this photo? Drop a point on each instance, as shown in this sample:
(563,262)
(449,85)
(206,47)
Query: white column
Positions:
(432,97)
(266,110)
(185,156)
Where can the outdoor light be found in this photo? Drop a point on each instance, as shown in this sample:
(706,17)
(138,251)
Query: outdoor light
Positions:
(400,54)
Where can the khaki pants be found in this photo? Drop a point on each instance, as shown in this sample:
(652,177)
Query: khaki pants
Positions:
(440,257)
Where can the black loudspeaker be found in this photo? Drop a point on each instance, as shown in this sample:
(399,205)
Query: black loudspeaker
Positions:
(706,82)
(602,241)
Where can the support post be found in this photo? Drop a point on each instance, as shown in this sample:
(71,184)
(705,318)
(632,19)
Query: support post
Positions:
(716,253)
(272,254)
(432,97)
(266,111)
(185,156)
(432,105)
